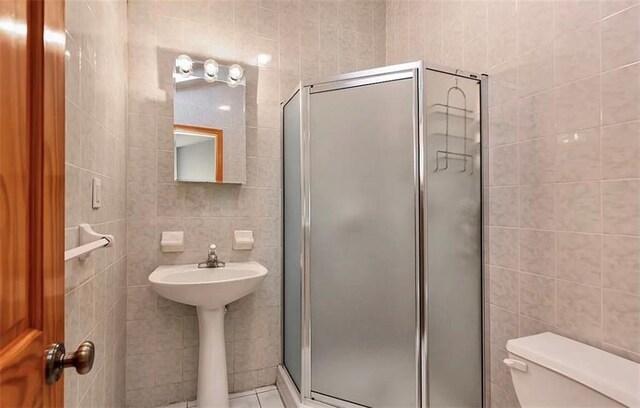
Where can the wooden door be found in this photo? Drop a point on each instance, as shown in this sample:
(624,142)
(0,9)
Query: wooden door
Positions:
(31,198)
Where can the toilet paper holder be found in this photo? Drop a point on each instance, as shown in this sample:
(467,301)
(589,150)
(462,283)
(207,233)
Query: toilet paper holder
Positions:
(243,239)
(172,241)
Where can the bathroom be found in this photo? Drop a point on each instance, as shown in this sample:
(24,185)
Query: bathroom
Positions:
(547,192)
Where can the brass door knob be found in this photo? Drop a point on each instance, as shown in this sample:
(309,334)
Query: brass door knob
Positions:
(57,360)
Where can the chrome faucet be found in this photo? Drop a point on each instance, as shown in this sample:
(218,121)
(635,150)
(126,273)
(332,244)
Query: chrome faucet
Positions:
(212,259)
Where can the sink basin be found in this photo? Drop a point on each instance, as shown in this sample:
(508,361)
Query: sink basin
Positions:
(209,289)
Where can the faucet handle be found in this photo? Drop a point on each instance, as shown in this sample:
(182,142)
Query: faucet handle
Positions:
(212,259)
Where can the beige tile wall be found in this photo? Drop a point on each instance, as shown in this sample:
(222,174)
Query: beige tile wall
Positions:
(564,153)
(279,43)
(95,94)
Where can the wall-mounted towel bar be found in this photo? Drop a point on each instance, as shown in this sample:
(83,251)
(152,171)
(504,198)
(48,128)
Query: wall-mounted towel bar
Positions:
(89,241)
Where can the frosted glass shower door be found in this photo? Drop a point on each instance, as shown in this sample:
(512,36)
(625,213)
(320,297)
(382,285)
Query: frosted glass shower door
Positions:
(454,261)
(362,244)
(292,233)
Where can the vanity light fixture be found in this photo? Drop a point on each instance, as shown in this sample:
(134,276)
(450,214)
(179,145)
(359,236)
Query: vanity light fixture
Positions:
(185,64)
(186,69)
(211,69)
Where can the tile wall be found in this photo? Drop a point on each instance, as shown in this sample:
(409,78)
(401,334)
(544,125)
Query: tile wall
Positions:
(279,43)
(95,104)
(563,184)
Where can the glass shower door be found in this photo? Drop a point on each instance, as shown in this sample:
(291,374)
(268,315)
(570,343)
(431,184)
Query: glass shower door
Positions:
(453,260)
(362,261)
(292,234)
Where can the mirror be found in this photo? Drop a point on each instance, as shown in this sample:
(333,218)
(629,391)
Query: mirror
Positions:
(208,122)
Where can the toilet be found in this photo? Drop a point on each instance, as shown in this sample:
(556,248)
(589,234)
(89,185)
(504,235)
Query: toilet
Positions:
(549,370)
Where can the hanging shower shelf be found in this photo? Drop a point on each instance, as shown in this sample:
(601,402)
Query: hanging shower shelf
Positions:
(446,153)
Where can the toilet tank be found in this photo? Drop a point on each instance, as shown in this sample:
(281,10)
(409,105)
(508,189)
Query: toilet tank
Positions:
(553,371)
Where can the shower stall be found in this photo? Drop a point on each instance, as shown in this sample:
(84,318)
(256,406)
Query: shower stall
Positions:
(382,238)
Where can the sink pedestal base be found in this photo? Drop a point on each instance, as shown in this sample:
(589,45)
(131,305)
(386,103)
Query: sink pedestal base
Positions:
(213,391)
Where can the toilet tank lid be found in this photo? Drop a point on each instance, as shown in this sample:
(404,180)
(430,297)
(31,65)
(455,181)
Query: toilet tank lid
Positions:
(613,376)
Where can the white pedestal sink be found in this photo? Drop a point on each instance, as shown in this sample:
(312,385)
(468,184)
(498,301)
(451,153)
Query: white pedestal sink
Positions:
(209,289)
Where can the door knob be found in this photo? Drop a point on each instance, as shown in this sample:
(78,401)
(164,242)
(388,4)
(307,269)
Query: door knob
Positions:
(57,360)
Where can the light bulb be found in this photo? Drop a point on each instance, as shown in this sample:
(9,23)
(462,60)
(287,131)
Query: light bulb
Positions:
(211,69)
(235,72)
(185,64)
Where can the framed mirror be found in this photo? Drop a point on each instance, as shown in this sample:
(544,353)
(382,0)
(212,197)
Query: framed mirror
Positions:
(208,122)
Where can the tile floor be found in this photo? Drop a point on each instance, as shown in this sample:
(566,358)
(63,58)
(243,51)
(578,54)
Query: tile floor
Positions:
(265,397)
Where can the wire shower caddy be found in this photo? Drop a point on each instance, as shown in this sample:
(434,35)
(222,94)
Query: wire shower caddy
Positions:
(446,153)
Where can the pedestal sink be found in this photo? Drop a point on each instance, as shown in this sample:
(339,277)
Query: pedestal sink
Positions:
(209,289)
